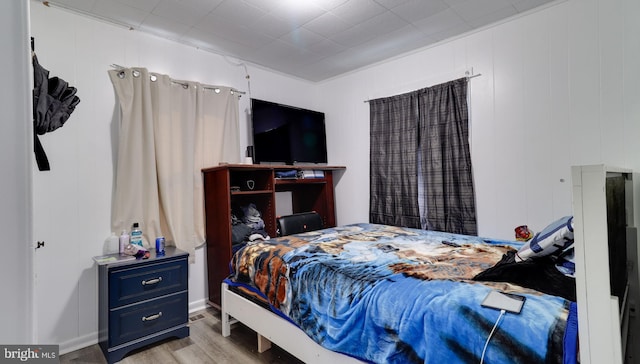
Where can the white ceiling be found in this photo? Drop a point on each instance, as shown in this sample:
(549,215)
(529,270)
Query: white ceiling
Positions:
(310,39)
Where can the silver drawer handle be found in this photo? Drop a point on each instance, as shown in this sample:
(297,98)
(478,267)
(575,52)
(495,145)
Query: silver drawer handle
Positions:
(152,317)
(152,281)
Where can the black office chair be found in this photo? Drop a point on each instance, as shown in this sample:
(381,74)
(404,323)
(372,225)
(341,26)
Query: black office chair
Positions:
(299,223)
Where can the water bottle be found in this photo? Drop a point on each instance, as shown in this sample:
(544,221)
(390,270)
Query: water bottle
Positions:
(124,240)
(136,235)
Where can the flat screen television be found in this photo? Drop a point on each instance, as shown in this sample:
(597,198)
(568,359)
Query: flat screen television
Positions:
(616,197)
(285,134)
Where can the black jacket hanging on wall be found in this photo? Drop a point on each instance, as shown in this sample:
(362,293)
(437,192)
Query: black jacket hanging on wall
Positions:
(53,102)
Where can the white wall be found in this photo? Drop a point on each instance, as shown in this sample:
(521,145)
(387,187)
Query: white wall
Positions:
(15,184)
(558,87)
(72,202)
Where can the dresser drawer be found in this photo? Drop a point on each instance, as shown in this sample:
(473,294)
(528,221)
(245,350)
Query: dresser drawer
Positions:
(133,284)
(148,317)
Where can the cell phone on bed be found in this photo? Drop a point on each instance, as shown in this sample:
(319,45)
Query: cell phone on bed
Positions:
(504,301)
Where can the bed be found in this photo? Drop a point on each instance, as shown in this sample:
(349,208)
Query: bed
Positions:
(376,293)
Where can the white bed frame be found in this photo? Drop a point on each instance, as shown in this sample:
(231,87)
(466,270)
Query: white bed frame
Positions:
(604,329)
(272,328)
(600,320)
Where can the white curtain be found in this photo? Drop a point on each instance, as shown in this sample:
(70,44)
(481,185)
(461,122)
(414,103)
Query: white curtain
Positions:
(169,130)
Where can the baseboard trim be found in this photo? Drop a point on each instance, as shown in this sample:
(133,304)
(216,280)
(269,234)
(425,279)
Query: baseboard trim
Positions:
(78,343)
(197,305)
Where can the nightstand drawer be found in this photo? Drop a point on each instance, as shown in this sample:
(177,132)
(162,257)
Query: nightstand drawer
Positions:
(149,317)
(134,284)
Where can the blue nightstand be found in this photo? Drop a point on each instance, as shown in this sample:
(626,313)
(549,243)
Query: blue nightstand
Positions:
(142,301)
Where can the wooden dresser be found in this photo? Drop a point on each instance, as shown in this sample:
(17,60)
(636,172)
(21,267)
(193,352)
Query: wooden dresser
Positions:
(257,184)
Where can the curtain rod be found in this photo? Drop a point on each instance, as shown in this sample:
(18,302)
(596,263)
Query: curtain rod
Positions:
(208,87)
(468,78)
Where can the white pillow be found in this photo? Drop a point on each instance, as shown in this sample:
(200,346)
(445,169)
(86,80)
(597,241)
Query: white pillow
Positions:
(556,237)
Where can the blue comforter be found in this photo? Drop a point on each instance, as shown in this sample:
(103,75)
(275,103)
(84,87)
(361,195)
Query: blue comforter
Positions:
(386,294)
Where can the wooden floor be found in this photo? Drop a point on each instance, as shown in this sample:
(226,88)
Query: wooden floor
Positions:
(204,345)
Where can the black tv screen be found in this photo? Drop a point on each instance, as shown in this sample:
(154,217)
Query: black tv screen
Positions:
(286,134)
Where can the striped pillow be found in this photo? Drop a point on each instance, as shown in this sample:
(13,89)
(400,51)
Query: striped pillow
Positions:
(554,238)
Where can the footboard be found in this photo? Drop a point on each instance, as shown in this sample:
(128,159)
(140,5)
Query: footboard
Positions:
(275,329)
(604,319)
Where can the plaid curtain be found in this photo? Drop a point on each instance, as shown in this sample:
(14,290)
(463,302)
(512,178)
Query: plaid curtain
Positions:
(420,141)
(393,199)
(449,197)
